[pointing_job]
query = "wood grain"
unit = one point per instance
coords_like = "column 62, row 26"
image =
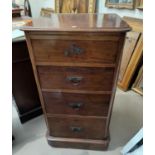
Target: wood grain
column 78, row 143
column 129, row 46
column 36, row 75
column 135, row 59
column 77, row 104
column 98, row 79
column 49, row 50
column 137, row 27
column 78, row 23
column 135, row 23
column 89, row 79
column 61, row 126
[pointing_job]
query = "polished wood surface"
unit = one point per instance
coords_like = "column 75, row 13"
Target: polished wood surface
column 77, row 104
column 77, row 127
column 74, row 78
column 79, row 22
column 99, row 50
column 76, row 70
column 89, row 144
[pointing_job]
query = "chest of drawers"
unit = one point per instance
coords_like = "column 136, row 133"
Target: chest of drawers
column 75, row 60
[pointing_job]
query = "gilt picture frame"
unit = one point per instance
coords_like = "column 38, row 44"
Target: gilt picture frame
column 121, row 4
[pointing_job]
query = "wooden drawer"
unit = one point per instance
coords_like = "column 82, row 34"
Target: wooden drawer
column 77, row 51
column 75, row 58
column 77, row 127
column 76, row 78
column 76, row 104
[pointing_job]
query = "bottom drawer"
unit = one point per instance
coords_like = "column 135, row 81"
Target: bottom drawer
column 77, row 127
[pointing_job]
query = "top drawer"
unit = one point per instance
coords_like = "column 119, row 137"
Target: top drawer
column 75, row 51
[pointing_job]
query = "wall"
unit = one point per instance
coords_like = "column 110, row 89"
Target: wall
column 36, row 6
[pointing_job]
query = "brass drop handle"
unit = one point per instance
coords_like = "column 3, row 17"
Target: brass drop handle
column 74, row 79
column 72, row 50
column 76, row 106
column 76, row 129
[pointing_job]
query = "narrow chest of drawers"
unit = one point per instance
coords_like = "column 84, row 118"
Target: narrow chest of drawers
column 76, row 66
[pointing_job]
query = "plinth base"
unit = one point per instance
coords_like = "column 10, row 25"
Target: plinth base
column 78, row 143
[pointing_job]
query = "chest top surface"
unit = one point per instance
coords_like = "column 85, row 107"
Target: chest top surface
column 78, row 22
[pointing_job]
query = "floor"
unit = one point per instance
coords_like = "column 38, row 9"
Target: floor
column 127, row 119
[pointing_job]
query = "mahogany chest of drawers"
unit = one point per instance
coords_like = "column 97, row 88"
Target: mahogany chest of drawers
column 75, row 59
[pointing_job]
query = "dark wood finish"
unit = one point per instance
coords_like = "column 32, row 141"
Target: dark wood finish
column 23, row 84
column 89, row 78
column 76, row 104
column 48, row 50
column 78, row 143
column 64, row 23
column 77, row 127
column 16, row 12
column 74, row 78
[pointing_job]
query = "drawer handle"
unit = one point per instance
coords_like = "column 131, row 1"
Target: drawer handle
column 73, row 50
column 74, row 79
column 76, row 106
column 76, row 129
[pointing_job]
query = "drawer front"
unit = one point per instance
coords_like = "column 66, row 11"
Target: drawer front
column 77, row 127
column 77, row 51
column 76, row 78
column 76, row 104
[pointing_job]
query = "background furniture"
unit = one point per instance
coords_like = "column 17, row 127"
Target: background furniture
column 138, row 84
column 46, row 12
column 16, row 10
column 23, row 84
column 140, row 6
column 27, row 8
column 132, row 53
column 70, row 6
column 129, row 46
column 75, row 6
column 76, row 69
